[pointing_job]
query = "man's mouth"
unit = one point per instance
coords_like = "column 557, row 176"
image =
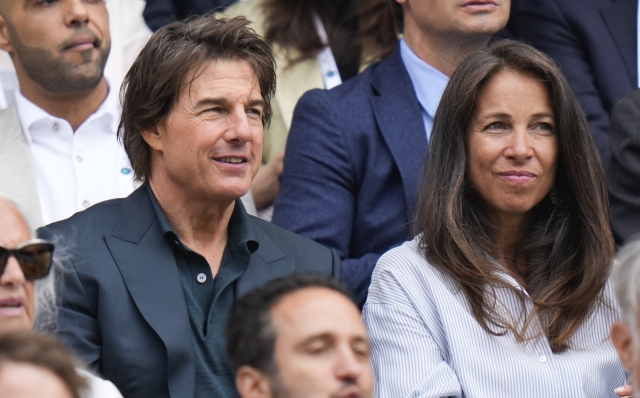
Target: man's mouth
column 480, row 5
column 232, row 160
column 81, row 43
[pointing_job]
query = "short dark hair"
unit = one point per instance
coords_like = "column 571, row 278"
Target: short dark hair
column 153, row 85
column 250, row 335
column 43, row 352
column 567, row 245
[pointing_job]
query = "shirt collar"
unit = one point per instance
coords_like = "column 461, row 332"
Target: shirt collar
column 428, row 82
column 240, row 231
column 30, row 113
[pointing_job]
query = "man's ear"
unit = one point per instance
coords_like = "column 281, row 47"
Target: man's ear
column 153, row 137
column 252, row 383
column 622, row 340
column 5, row 39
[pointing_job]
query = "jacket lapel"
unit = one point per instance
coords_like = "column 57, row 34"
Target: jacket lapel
column 149, row 270
column 267, row 263
column 621, row 18
column 17, row 172
column 399, row 118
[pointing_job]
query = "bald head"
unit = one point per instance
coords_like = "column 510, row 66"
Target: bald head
column 13, row 227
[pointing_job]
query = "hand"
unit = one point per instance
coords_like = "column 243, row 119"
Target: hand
column 624, row 391
column 266, row 185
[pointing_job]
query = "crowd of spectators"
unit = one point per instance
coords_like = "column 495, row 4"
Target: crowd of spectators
column 319, row 198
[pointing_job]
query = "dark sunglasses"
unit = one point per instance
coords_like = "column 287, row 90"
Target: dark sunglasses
column 34, row 257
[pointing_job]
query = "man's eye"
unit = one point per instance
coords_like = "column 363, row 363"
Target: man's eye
column 256, row 112
column 45, row 2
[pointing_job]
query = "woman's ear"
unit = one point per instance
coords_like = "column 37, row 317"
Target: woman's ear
column 252, row 383
column 622, row 339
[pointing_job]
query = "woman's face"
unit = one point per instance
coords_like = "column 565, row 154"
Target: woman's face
column 512, row 145
column 16, row 293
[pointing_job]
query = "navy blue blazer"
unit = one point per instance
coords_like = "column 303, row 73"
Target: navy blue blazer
column 594, row 41
column 122, row 309
column 158, row 13
column 351, row 169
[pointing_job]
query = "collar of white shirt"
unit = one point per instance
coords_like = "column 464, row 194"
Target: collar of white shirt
column 30, row 113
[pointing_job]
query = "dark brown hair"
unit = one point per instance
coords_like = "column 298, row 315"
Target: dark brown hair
column 153, row 85
column 43, row 352
column 564, row 255
column 289, row 23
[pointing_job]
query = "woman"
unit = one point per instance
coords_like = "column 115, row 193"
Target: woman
column 317, row 44
column 27, row 287
column 504, row 293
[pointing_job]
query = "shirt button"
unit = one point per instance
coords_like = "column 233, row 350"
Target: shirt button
column 202, row 278
column 55, row 127
column 79, row 159
column 85, row 204
column 542, row 358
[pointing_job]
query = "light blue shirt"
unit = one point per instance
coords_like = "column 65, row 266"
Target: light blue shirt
column 426, row 342
column 428, row 83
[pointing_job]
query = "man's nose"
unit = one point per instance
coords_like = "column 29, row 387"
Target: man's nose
column 75, row 12
column 350, row 366
column 239, row 129
column 12, row 275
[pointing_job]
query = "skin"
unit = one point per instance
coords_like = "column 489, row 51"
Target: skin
column 622, row 339
column 217, row 116
column 443, row 32
column 512, row 151
column 321, row 350
column 13, row 284
column 20, row 380
column 59, row 49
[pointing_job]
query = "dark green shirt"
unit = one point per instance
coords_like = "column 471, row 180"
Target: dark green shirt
column 209, row 299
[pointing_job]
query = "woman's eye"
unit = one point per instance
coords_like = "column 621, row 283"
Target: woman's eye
column 495, row 126
column 545, row 126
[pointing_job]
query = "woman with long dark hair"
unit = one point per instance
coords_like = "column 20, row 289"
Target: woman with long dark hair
column 504, row 292
column 317, row 44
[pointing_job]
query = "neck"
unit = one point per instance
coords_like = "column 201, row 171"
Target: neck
column 444, row 51
column 200, row 223
column 508, row 234
column 75, row 108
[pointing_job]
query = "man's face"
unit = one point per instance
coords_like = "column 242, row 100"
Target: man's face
column 210, row 146
column 60, row 45
column 456, row 19
column 321, row 348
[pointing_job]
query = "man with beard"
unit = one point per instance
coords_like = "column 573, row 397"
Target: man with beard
column 58, row 148
column 299, row 336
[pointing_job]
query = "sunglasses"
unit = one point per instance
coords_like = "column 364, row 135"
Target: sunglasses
column 34, row 257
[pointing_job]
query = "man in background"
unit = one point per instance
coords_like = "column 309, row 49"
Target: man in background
column 58, row 147
column 300, row 336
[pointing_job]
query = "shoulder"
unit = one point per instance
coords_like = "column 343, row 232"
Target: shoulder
column 97, row 220
column 270, row 234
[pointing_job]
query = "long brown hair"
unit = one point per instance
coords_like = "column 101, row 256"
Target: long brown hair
column 567, row 247
column 289, row 23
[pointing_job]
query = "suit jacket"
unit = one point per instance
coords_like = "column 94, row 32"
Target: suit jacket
column 122, row 308
column 158, row 13
column 594, row 41
column 17, row 173
column 352, row 166
column 623, row 173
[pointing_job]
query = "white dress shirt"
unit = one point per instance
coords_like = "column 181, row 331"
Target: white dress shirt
column 426, row 342
column 75, row 170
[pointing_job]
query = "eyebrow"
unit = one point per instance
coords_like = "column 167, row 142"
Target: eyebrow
column 225, row 102
column 325, row 337
column 541, row 115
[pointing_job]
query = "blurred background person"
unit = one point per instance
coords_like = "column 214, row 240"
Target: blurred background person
column 158, row 13
column 504, row 293
column 27, row 287
column 59, row 151
column 317, row 44
column 299, row 336
column 355, row 152
column 595, row 42
column 625, row 334
column 33, row 366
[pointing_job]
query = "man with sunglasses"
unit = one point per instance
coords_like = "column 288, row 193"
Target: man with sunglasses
column 22, row 262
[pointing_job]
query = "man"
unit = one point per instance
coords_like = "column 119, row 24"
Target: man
column 58, row 147
column 354, row 153
column 299, row 336
column 595, row 44
column 625, row 334
column 153, row 276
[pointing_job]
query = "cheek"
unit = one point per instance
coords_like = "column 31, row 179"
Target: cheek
column 31, row 301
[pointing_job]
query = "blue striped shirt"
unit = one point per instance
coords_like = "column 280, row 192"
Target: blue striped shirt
column 426, row 342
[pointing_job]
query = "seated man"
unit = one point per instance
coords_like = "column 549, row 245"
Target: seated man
column 595, row 44
column 153, row 276
column 625, row 333
column 355, row 153
column 58, row 148
column 300, row 336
